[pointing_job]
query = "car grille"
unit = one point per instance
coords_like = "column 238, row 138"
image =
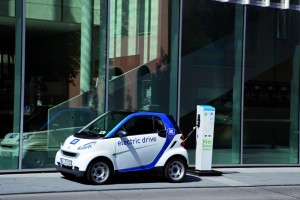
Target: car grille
column 70, row 154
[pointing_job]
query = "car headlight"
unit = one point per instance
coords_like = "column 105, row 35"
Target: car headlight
column 26, row 137
column 87, row 146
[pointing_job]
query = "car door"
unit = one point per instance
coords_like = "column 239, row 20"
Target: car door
column 140, row 148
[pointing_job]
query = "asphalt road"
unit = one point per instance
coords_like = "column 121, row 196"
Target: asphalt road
column 235, row 183
column 226, row 193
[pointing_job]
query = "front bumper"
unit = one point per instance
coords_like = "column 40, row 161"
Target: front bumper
column 68, row 170
column 78, row 166
column 9, row 153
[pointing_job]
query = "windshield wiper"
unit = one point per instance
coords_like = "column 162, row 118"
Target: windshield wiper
column 87, row 134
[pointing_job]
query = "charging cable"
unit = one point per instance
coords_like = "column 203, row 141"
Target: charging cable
column 189, row 134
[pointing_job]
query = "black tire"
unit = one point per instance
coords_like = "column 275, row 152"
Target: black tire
column 99, row 172
column 175, row 170
column 35, row 159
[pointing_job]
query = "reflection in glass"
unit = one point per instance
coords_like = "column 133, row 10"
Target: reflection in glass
column 295, row 2
column 63, row 82
column 260, row 2
column 272, row 82
column 143, row 36
column 283, row 4
column 211, row 73
column 10, row 93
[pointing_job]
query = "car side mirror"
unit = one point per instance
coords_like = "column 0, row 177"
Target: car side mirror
column 162, row 133
column 122, row 133
column 55, row 125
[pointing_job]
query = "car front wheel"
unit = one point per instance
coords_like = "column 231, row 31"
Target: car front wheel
column 35, row 159
column 175, row 170
column 98, row 172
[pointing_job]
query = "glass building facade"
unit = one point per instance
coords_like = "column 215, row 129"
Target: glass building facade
column 64, row 62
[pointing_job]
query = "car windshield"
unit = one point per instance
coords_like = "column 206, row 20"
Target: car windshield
column 103, row 125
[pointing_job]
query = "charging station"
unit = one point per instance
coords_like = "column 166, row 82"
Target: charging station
column 205, row 121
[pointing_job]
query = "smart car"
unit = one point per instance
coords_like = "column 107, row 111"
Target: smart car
column 125, row 141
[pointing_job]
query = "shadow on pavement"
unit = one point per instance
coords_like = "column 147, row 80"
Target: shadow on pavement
column 134, row 178
column 231, row 172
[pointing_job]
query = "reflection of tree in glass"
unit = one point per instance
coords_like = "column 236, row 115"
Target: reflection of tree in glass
column 58, row 57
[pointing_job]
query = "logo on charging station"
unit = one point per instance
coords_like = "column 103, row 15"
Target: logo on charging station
column 207, row 144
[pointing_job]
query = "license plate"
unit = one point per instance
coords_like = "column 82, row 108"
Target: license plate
column 66, row 162
column 6, row 154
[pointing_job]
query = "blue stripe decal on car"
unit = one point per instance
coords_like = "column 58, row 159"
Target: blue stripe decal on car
column 169, row 139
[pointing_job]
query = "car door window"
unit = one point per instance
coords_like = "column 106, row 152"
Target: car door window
column 158, row 124
column 139, row 125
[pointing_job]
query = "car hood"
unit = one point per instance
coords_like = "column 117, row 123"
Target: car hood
column 73, row 143
column 14, row 138
column 11, row 138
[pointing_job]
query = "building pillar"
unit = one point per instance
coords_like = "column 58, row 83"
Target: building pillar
column 86, row 45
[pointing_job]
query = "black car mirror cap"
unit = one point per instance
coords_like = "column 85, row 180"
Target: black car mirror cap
column 122, row 133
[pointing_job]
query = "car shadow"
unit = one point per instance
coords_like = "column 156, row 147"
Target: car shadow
column 130, row 179
column 134, row 179
column 231, row 172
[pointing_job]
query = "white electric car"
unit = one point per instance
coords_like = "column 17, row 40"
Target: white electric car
column 125, row 141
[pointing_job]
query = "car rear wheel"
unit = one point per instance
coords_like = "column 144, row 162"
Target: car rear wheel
column 98, row 172
column 175, row 170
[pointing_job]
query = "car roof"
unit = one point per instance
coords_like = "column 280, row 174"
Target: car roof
column 136, row 112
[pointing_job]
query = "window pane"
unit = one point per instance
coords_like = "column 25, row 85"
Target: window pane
column 295, row 2
column 141, row 74
column 139, row 125
column 271, row 86
column 64, row 74
column 158, row 124
column 10, row 87
column 211, row 73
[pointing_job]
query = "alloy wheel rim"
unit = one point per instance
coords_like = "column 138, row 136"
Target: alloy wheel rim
column 176, row 170
column 100, row 172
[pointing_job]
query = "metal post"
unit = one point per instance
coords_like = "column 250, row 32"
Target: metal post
column 18, row 113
